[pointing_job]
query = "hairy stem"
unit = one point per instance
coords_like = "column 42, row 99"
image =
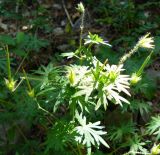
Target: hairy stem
column 81, row 30
column 8, row 64
column 129, row 54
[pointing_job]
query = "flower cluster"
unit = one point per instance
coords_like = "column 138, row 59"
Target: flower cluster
column 113, row 83
column 105, row 79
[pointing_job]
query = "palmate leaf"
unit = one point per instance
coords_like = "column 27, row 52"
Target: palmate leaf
column 59, row 136
column 154, row 127
column 136, row 146
column 36, row 43
column 7, row 40
column 48, row 75
column 138, row 106
column 118, row 133
column 89, row 134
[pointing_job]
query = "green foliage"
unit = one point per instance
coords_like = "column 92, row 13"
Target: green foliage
column 23, row 43
column 59, row 137
column 136, row 145
column 154, row 127
column 147, row 86
column 118, row 133
column 7, row 40
column 51, row 109
column 138, row 106
column 155, row 149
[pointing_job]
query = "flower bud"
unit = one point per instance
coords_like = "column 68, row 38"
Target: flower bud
column 135, row 79
column 112, row 76
column 155, row 149
column 71, row 76
column 31, row 93
column 10, row 84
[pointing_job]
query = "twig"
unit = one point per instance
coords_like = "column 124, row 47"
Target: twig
column 21, row 62
column 130, row 152
column 66, row 11
column 44, row 110
column 21, row 133
column 81, row 30
column 18, row 84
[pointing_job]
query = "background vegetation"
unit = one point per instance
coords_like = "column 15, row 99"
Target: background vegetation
column 36, row 102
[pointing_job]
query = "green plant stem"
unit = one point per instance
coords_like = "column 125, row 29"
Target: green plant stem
column 130, row 152
column 89, row 52
column 21, row 62
column 66, row 11
column 28, row 84
column 44, row 110
column 79, row 150
column 81, row 30
column 115, row 150
column 129, row 54
column 18, row 84
column 32, row 78
column 144, row 64
column 90, row 45
column 8, row 64
column 73, row 149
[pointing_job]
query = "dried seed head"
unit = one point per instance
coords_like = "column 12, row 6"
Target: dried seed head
column 146, row 41
column 80, row 7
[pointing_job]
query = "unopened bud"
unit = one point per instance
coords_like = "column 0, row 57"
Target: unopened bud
column 71, row 76
column 10, row 84
column 155, row 149
column 31, row 93
column 135, row 79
